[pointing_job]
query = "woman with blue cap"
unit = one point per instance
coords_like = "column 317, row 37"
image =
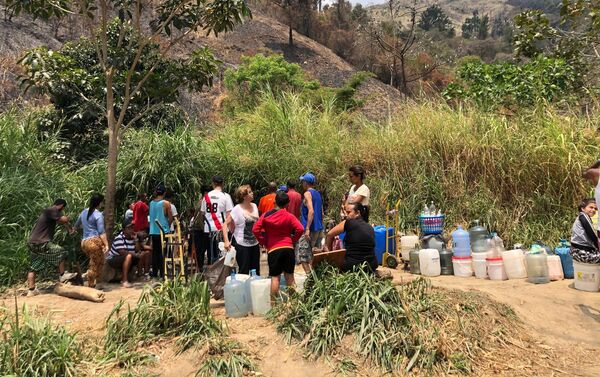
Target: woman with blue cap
column 311, row 219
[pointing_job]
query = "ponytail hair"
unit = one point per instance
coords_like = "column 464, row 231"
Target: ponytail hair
column 362, row 210
column 95, row 201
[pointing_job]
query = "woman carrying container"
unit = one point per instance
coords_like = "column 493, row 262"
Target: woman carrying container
column 359, row 192
column 278, row 230
column 584, row 241
column 359, row 240
column 243, row 217
column 94, row 242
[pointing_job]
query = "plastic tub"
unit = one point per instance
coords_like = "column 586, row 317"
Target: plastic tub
column 462, row 266
column 429, row 262
column 495, row 269
column 431, row 224
column 555, row 271
column 587, row 276
column 480, row 265
column 514, row 264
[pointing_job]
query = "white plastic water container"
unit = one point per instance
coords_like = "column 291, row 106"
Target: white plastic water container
column 514, row 264
column 480, row 265
column 236, row 301
column 555, row 271
column 238, row 277
column 260, row 291
column 495, row 269
column 299, row 279
column 462, row 266
column 407, row 243
column 429, row 262
column 252, row 277
column 587, row 276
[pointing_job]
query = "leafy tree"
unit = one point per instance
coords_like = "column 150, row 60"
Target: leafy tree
column 72, row 77
column 124, row 74
column 575, row 39
column 501, row 26
column 359, row 14
column 476, row 27
column 434, row 18
column 512, row 85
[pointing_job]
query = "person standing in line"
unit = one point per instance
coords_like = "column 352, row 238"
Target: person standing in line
column 243, row 217
column 312, row 220
column 359, row 192
column 267, row 202
column 160, row 211
column 215, row 208
column 141, row 211
column 197, row 229
column 174, row 212
column 295, row 199
column 278, row 230
column 43, row 253
column 94, row 242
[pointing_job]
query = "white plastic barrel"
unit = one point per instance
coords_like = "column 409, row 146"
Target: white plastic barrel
column 495, row 269
column 407, row 243
column 587, row 276
column 260, row 290
column 429, row 262
column 514, row 264
column 480, row 265
column 462, row 266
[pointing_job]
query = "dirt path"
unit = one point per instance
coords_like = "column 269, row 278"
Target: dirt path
column 559, row 317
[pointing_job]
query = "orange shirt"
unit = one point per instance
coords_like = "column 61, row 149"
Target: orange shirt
column 266, row 203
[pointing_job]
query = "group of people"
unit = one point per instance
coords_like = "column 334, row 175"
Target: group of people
column 287, row 224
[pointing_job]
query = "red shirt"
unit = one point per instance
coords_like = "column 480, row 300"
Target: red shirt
column 278, row 230
column 266, row 203
column 140, row 216
column 295, row 202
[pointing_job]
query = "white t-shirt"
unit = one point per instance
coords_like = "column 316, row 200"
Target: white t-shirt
column 174, row 213
column 244, row 222
column 221, row 203
column 362, row 190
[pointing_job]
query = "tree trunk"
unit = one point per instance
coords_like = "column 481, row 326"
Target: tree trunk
column 113, row 152
column 291, row 36
column 403, row 84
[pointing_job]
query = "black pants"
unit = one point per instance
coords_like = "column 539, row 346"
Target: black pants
column 248, row 258
column 210, row 246
column 197, row 236
column 157, row 257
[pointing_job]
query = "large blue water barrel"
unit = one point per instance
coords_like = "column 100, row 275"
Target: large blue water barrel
column 380, row 234
column 565, row 258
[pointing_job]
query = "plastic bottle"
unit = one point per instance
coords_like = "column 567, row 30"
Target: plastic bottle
column 432, row 209
column 478, row 236
column 498, row 245
column 425, row 210
column 236, row 301
column 461, row 243
column 414, row 260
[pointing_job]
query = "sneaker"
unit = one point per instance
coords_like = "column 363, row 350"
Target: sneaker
column 67, row 276
column 126, row 284
column 32, row 292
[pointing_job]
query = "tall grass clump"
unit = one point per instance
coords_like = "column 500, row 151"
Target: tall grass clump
column 33, row 346
column 226, row 358
column 170, row 310
column 409, row 328
column 520, row 175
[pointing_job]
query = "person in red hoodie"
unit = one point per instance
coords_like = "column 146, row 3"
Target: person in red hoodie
column 277, row 230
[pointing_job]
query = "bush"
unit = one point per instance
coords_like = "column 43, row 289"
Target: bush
column 34, row 347
column 511, row 85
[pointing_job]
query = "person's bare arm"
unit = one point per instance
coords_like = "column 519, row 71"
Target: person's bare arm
column 311, row 213
column 592, row 173
column 225, row 228
column 335, row 231
column 168, row 212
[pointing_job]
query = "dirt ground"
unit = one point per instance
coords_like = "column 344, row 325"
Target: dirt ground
column 560, row 318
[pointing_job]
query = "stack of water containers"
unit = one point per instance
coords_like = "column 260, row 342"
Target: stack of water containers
column 495, row 264
column 461, row 247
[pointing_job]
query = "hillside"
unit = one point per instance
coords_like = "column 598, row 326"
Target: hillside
column 459, row 10
column 261, row 34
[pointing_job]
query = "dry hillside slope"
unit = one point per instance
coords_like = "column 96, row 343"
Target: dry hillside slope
column 261, row 34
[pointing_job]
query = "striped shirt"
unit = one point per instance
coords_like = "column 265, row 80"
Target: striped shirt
column 121, row 243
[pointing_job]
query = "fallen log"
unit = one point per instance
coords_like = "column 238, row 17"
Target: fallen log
column 79, row 292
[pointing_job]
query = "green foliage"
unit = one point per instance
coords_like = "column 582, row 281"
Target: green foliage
column 476, row 27
column 32, row 346
column 170, row 310
column 512, row 85
column 435, row 18
column 226, row 358
column 73, row 78
column 405, row 328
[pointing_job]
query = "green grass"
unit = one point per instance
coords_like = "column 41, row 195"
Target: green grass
column 226, row 358
column 167, row 311
column 33, row 346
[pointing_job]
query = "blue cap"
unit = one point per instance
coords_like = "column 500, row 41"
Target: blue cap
column 283, row 188
column 308, row 178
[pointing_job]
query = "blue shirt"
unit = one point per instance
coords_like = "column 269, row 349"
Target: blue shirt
column 157, row 212
column 92, row 226
column 317, row 202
